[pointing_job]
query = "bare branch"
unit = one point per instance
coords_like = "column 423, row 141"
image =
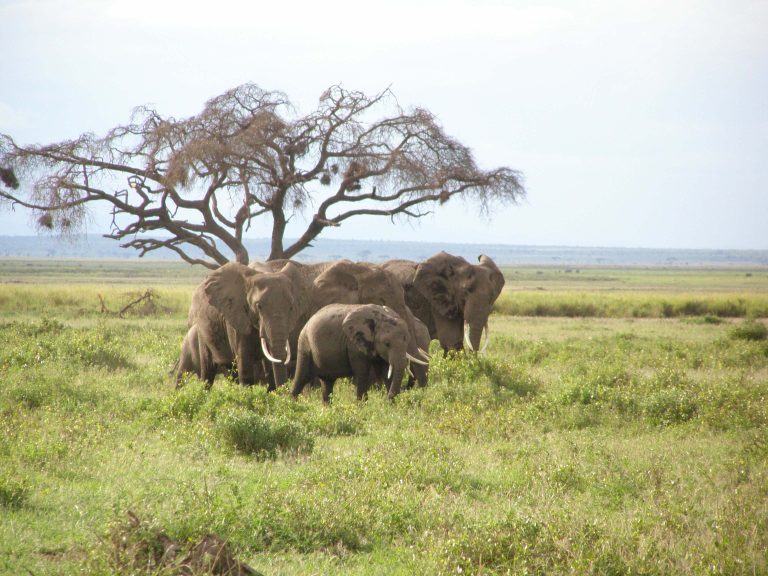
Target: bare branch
column 247, row 162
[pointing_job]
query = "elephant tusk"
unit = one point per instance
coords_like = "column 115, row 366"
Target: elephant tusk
column 411, row 371
column 466, row 337
column 287, row 352
column 424, row 353
column 389, row 374
column 269, row 356
column 487, row 338
column 416, row 360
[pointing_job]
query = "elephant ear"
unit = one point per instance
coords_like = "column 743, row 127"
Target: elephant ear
column 227, row 291
column 497, row 278
column 338, row 284
column 359, row 327
column 438, row 279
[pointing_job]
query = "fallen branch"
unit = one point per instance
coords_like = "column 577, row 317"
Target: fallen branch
column 146, row 297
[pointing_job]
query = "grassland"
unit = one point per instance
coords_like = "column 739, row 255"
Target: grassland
column 612, row 428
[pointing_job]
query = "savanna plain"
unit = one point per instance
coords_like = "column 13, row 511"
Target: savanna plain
column 617, row 424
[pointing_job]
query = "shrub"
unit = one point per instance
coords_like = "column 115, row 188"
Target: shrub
column 670, row 406
column 335, row 420
column 263, row 436
column 462, row 368
column 749, row 330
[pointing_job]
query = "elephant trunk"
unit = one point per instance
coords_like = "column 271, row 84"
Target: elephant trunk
column 476, row 313
column 276, row 349
column 473, row 335
column 397, row 363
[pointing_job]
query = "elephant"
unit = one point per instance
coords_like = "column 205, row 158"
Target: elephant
column 256, row 312
column 355, row 340
column 244, row 314
column 189, row 358
column 347, row 282
column 451, row 296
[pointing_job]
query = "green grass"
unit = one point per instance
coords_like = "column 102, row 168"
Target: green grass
column 583, row 445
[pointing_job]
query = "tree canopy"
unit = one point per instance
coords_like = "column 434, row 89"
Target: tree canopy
column 248, row 160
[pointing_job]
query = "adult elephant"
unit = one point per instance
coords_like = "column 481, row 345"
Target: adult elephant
column 347, row 282
column 451, row 296
column 245, row 314
column 354, row 340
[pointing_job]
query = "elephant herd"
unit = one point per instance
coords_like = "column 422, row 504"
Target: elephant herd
column 325, row 321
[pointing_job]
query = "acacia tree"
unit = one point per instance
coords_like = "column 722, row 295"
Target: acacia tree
column 248, row 159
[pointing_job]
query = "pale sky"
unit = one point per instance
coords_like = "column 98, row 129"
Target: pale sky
column 636, row 123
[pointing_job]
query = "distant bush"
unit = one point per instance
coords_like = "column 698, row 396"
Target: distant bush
column 749, row 330
column 573, row 304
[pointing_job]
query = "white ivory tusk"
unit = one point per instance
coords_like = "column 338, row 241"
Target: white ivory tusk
column 269, row 356
column 416, row 360
column 487, row 338
column 466, row 337
column 389, row 374
column 424, row 353
column 411, row 371
column 287, row 352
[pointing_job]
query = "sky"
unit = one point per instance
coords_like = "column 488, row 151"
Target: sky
column 635, row 123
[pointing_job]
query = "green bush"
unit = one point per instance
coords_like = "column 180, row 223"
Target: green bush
column 749, row 330
column 263, row 436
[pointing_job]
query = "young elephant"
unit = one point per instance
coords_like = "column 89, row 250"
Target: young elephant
column 189, row 358
column 343, row 340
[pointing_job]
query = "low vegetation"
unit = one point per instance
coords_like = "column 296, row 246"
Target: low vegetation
column 611, row 444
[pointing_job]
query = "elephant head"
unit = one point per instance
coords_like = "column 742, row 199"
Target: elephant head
column 461, row 295
column 271, row 303
column 347, row 282
column 379, row 332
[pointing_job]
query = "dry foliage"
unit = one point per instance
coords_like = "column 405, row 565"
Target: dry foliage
column 137, row 546
column 247, row 159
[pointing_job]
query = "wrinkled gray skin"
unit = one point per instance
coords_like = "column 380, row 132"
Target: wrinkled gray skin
column 227, row 313
column 347, row 282
column 238, row 305
column 343, row 340
column 189, row 358
column 446, row 292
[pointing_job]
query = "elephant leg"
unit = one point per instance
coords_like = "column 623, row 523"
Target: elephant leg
column 246, row 360
column 361, row 370
column 327, row 384
column 419, row 375
column 262, row 372
column 207, row 368
column 304, row 372
column 246, row 370
column 280, row 375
